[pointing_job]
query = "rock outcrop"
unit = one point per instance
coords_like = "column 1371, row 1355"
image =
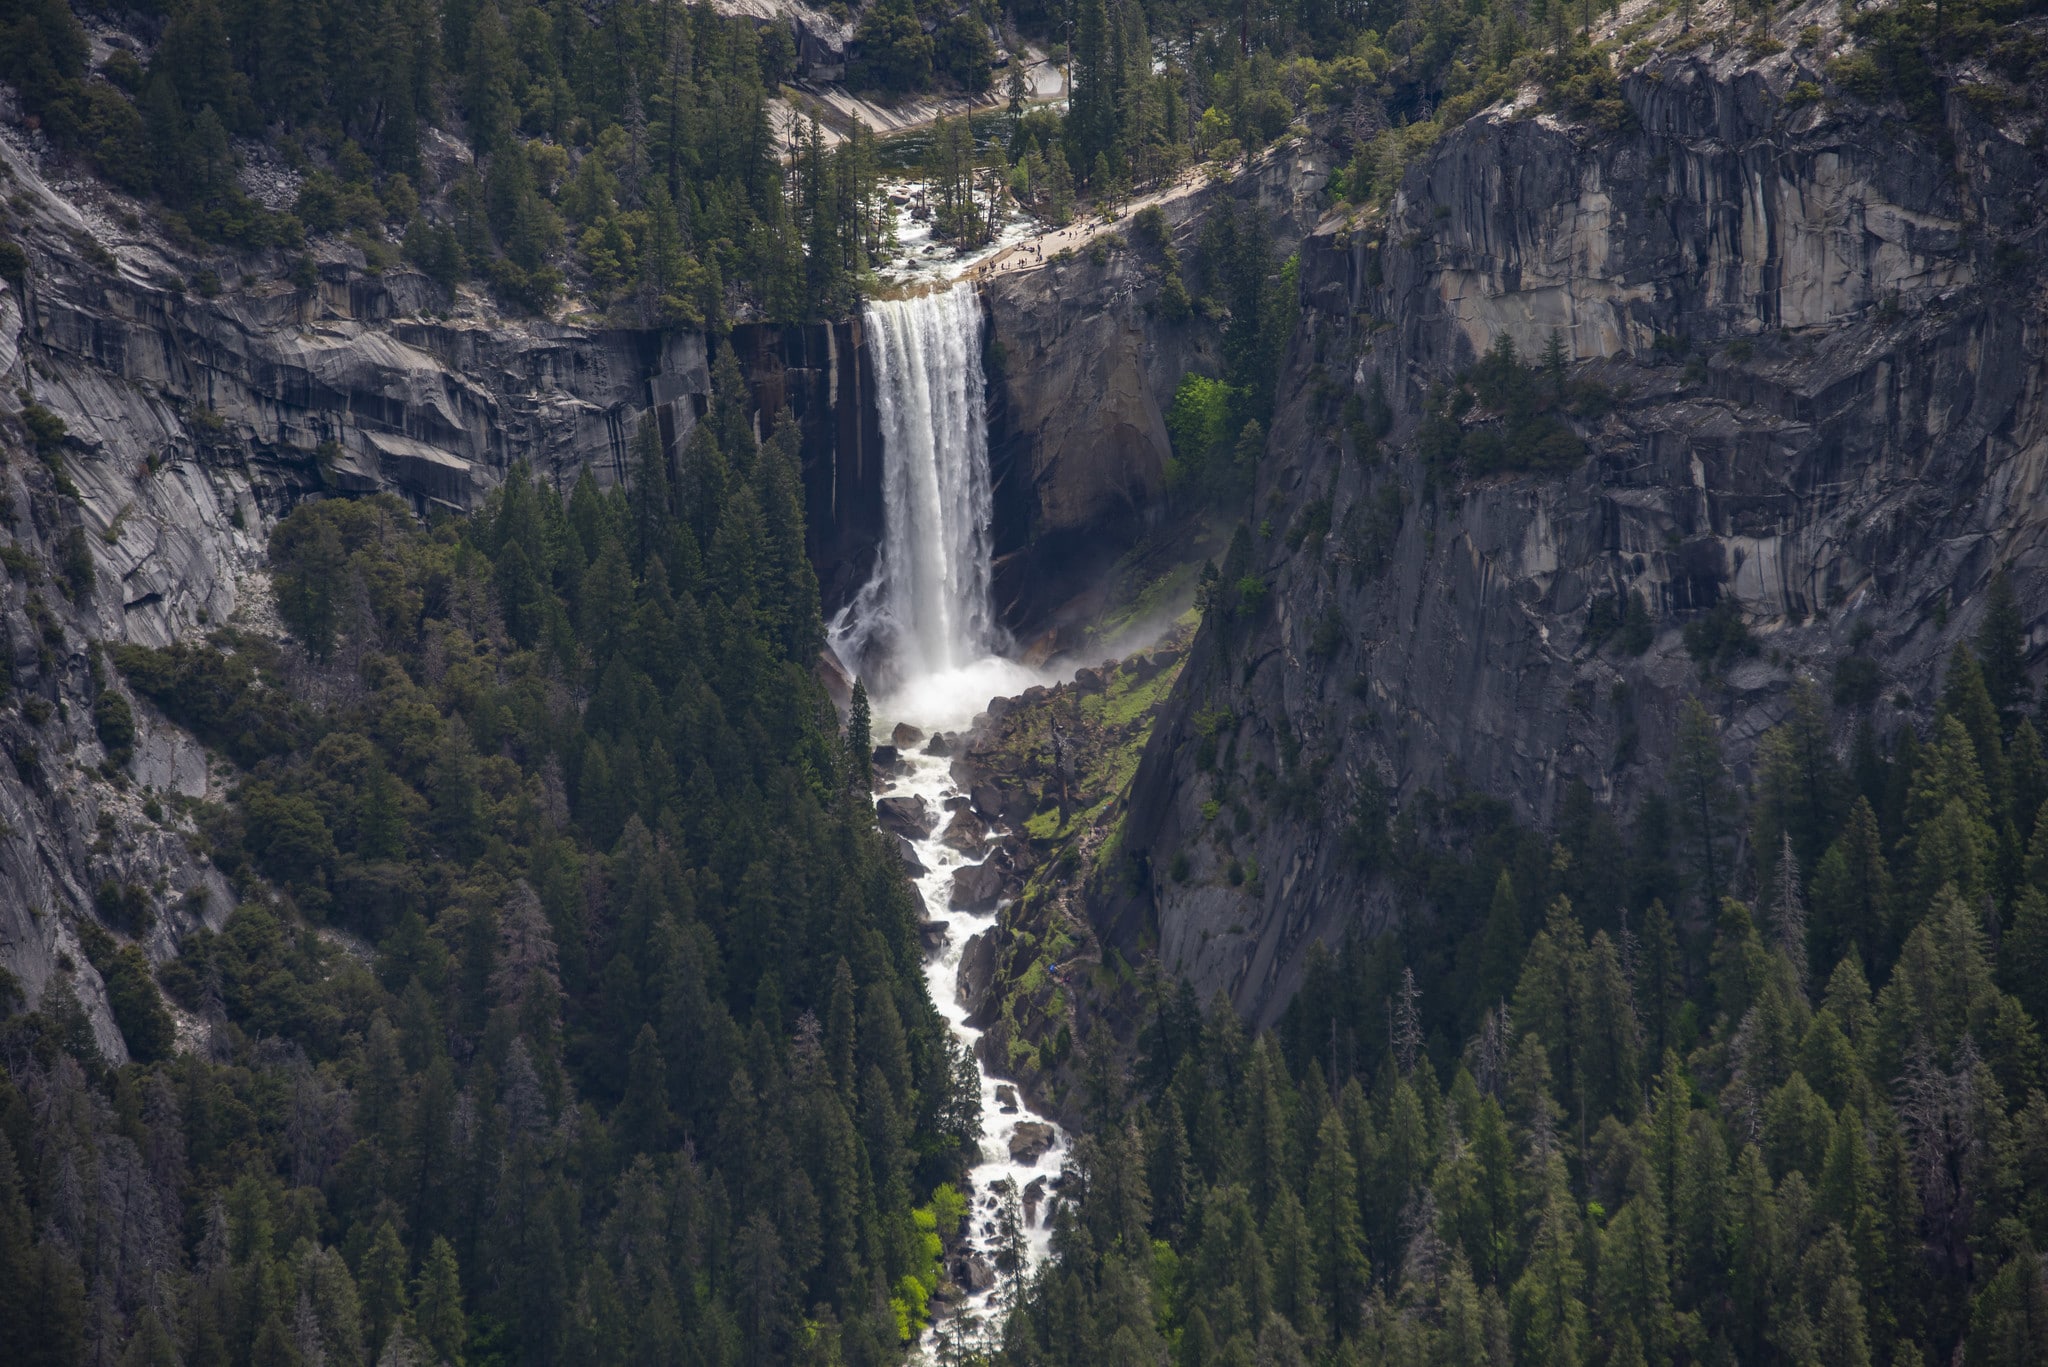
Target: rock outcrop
column 182, row 400
column 1824, row 343
column 1081, row 373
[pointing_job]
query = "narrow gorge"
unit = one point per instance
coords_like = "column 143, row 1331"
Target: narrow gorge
column 1152, row 683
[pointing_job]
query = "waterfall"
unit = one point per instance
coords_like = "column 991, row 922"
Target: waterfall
column 925, row 611
column 922, row 633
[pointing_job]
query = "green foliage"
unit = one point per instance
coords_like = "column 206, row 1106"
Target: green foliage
column 896, row 52
column 224, row 692
column 572, row 795
column 1719, row 637
column 1503, row 415
column 114, row 720
column 1675, row 1147
column 1199, row 425
column 1623, row 619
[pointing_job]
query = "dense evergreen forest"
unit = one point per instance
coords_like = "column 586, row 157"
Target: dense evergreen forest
column 624, row 157
column 572, row 1007
column 1668, row 1092
column 577, row 1034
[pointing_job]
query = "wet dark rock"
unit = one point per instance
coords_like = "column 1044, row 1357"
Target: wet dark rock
column 965, row 833
column 977, row 968
column 911, row 817
column 905, row 736
column 940, row 746
column 974, row 1272
column 1006, row 1098
column 1034, row 1192
column 1030, row 1141
column 933, row 934
column 977, row 887
column 907, row 853
column 988, row 800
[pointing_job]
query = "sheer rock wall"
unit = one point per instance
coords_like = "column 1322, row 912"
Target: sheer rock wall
column 1826, row 339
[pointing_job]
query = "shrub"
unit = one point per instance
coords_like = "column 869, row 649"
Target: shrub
column 114, row 719
column 1720, row 637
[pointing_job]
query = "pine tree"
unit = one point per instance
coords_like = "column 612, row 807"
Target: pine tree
column 2001, row 646
column 1332, row 1211
column 1660, row 981
column 381, row 1281
column 1297, row 1289
column 1556, row 364
column 859, row 743
column 2023, row 954
column 1551, row 999
column 1965, row 697
column 1698, row 780
column 1549, row 1318
column 2009, row 1322
column 1611, row 1044
column 487, row 97
column 437, row 1305
column 1852, row 894
column 1788, row 911
column 1634, row 1285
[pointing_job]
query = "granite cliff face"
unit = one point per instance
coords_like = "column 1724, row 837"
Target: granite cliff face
column 174, row 424
column 1082, row 370
column 1823, row 332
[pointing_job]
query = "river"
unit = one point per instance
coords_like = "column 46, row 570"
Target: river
column 923, row 636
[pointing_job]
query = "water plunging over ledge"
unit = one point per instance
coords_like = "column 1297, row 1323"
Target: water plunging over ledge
column 923, row 636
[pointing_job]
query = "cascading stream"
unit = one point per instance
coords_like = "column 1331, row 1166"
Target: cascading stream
column 923, row 635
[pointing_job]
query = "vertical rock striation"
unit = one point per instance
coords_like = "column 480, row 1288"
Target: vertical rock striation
column 1820, row 328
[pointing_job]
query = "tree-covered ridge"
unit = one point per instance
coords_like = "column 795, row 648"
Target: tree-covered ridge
column 630, row 146
column 1654, row 1095
column 626, row 153
column 574, row 1010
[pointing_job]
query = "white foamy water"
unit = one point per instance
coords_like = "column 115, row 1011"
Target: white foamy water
column 931, row 779
column 923, row 635
column 926, row 610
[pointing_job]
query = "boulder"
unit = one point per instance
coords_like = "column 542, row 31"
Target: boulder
column 910, row 817
column 977, row 970
column 1088, row 680
column 1030, row 1142
column 1006, row 1098
column 965, row 833
column 905, row 735
column 988, row 800
column 941, row 746
column 977, row 887
column 1034, row 1192
column 974, row 1272
column 907, row 852
column 933, row 933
